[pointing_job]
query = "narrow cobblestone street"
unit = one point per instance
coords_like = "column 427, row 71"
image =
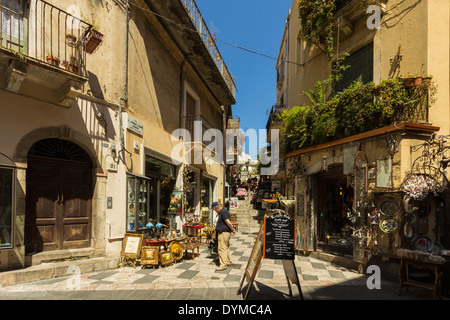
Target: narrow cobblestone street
column 196, row 279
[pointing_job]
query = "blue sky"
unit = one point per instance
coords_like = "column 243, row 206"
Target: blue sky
column 258, row 26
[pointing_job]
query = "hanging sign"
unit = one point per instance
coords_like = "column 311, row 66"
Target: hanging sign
column 279, row 237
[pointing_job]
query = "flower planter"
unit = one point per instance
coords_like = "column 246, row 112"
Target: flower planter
column 52, row 60
column 412, row 81
column 93, row 40
column 426, row 81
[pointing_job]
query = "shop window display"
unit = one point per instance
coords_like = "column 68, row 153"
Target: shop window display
column 138, row 196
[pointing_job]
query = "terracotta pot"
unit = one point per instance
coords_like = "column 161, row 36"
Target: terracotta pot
column 72, row 68
column 412, row 81
column 418, row 81
column 426, row 80
column 52, row 60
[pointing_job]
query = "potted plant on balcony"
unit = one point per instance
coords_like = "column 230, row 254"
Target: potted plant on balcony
column 412, row 81
column 52, row 59
column 72, row 65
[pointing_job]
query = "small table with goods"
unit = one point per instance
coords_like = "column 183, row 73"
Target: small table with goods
column 192, row 234
column 418, row 260
column 162, row 251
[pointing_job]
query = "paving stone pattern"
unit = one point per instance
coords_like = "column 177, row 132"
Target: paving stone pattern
column 197, row 273
column 197, row 279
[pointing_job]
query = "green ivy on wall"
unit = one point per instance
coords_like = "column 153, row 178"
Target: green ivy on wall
column 359, row 108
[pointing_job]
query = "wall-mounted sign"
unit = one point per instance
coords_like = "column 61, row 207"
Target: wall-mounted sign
column 135, row 125
column 279, row 237
column 349, row 158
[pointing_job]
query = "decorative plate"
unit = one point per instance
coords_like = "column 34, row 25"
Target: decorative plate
column 177, row 251
column 390, row 207
column 131, row 207
column 131, row 195
column 423, row 243
column 389, row 225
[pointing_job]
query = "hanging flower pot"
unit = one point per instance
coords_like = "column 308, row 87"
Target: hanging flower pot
column 93, row 40
column 71, row 40
column 417, row 187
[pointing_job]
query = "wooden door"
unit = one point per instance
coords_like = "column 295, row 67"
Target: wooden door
column 59, row 204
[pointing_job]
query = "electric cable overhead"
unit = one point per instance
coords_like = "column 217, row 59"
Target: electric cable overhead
column 215, row 39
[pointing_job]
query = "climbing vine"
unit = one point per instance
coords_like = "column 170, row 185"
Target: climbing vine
column 359, row 108
column 317, row 19
column 317, row 23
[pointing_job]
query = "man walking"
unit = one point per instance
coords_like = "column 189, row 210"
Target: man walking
column 224, row 228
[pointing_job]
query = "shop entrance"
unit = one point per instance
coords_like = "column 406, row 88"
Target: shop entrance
column 58, row 197
column 162, row 176
column 335, row 198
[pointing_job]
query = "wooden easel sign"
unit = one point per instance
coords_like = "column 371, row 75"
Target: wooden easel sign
column 253, row 263
column 278, row 235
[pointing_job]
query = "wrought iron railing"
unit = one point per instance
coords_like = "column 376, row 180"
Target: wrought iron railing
column 39, row 30
column 208, row 40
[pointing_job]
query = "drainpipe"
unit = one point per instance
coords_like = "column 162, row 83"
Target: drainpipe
column 125, row 91
column 124, row 98
column 181, row 92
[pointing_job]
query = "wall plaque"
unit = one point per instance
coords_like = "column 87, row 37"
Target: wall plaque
column 135, row 125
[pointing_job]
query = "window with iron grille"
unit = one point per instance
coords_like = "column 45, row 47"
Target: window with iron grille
column 361, row 68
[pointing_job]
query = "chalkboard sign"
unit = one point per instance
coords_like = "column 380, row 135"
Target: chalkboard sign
column 274, row 223
column 279, row 237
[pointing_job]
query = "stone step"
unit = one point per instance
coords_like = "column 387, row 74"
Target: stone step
column 51, row 270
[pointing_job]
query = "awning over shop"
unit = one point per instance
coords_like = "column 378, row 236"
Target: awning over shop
column 398, row 127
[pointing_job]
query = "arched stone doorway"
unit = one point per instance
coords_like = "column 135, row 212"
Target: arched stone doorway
column 58, row 196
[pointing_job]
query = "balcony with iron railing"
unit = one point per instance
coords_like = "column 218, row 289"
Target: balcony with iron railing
column 197, row 43
column 208, row 40
column 44, row 45
column 274, row 116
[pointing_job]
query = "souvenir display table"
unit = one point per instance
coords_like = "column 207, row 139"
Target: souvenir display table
column 163, row 242
column 192, row 233
column 162, row 251
column 435, row 267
